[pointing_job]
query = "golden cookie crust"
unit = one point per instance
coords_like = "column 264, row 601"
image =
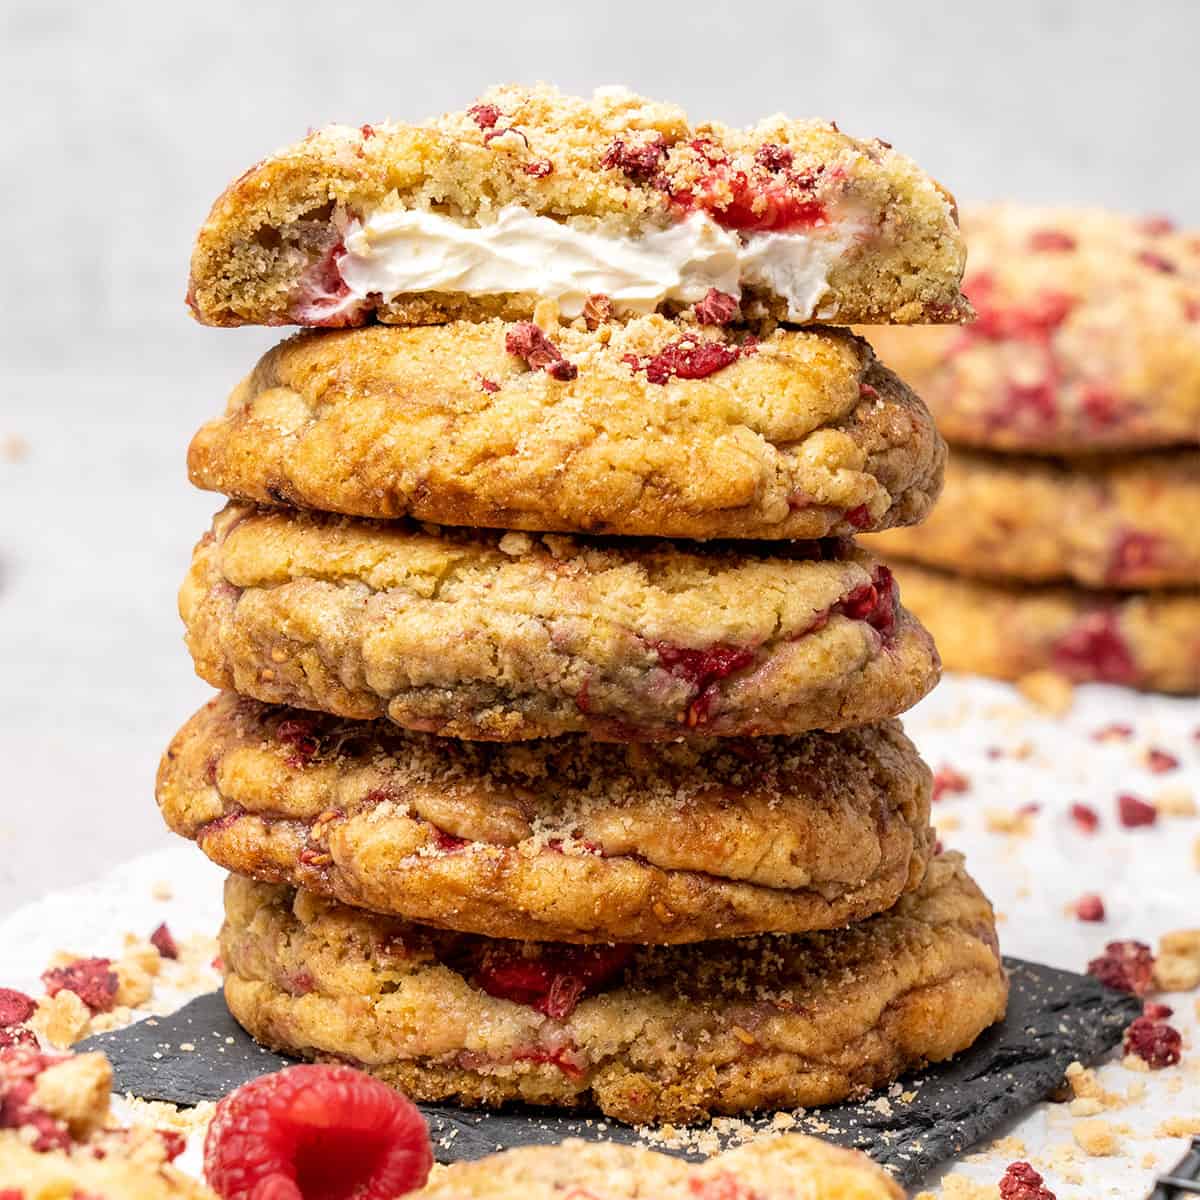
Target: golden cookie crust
column 508, row 637
column 788, row 1167
column 266, row 253
column 1131, row 521
column 1088, row 336
column 1145, row 640
column 559, row 840
column 808, row 436
column 668, row 1033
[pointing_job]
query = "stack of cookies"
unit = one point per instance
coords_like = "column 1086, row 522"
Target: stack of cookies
column 556, row 756
column 1068, row 536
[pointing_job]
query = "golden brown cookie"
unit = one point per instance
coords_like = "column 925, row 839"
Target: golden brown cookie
column 1131, row 521
column 507, row 637
column 558, row 840
column 646, row 1033
column 530, row 194
column 788, row 1167
column 1088, row 335
column 1146, row 640
column 800, row 435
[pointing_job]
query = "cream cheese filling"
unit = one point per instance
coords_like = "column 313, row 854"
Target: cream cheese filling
column 396, row 251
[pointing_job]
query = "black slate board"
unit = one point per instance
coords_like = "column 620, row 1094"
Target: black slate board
column 1054, row 1018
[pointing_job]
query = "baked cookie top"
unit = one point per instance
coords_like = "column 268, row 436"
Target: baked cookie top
column 564, row 839
column 789, row 1167
column 647, row 1033
column 530, row 194
column 510, row 636
column 1116, row 521
column 1087, row 337
column 663, row 428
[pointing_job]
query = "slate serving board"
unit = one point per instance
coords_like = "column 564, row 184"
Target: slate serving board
column 1054, row 1018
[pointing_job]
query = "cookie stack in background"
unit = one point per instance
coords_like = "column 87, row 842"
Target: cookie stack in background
column 556, row 756
column 1068, row 535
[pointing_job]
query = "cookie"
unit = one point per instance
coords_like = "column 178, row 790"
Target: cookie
column 57, row 1140
column 511, row 636
column 646, row 1033
column 558, row 840
column 1088, row 336
column 1146, row 640
column 1131, row 521
column 800, row 435
column 788, row 1167
column 530, row 194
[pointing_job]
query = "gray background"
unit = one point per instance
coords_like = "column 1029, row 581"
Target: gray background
column 123, row 121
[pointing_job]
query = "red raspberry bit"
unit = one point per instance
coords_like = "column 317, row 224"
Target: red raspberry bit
column 15, row 1007
column 1191, row 309
column 1086, row 818
column 859, row 517
column 164, row 942
column 867, row 392
column 717, row 308
column 367, row 131
column 1157, row 225
column 773, row 158
column 17, row 1035
column 554, row 980
column 20, row 1066
column 1133, row 552
column 1155, row 1042
column 92, row 979
column 447, row 843
column 571, row 1063
column 322, row 297
column 539, row 168
column 1159, row 762
column 947, row 781
column 1090, row 907
column 316, row 1133
column 299, row 734
column 1094, row 649
column 1021, row 1182
column 703, row 669
column 1133, row 812
column 526, row 341
column 1100, row 406
column 1157, row 1012
column 1117, row 731
column 641, row 163
column 1051, row 240
column 1126, row 966
column 1157, row 262
column 877, row 602
column 484, row 115
column 488, row 385
column 173, row 1142
column 688, row 359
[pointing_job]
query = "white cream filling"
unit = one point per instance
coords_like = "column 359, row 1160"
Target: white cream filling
column 398, row 251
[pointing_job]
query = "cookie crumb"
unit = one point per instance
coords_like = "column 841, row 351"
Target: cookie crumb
column 1096, row 1138
column 61, row 1019
column 1047, row 690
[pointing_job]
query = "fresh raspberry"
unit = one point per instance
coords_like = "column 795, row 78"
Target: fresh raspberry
column 640, row 163
column 1053, row 240
column 163, row 940
column 484, row 115
column 92, row 979
column 773, row 158
column 1133, row 812
column 1090, row 907
column 316, row 1133
column 1159, row 762
column 1155, row 1042
column 717, row 308
column 1094, row 649
column 1086, row 818
column 1021, row 1182
column 15, row 1007
column 688, row 359
column 554, row 980
column 525, row 340
column 948, row 781
column 1125, row 966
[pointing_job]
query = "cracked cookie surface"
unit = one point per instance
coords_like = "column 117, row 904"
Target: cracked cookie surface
column 647, row 1033
column 1128, row 521
column 557, row 840
column 1087, row 337
column 807, row 436
column 509, row 637
column 1146, row 640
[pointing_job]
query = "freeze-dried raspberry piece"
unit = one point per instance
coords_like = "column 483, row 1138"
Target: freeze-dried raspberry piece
column 1053, row 240
column 15, row 1007
column 1155, row 1042
column 316, row 1133
column 92, row 979
column 1090, row 907
column 948, row 781
column 1159, row 762
column 484, row 115
column 552, row 982
column 1133, row 812
column 773, row 158
column 1156, row 1011
column 1116, row 731
column 717, row 308
column 1094, row 649
column 752, row 203
column 1157, row 262
column 877, row 602
column 299, row 734
column 17, row 1035
column 1126, row 966
column 20, row 1067
column 640, row 163
column 1085, row 817
column 322, row 297
column 163, row 940
column 688, row 359
column 1021, row 1182
column 539, row 168
column 525, row 340
column 1156, row 224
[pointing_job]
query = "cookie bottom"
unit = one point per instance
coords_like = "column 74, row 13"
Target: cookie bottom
column 646, row 1034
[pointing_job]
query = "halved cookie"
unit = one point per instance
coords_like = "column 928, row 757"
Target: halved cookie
column 559, row 840
column 530, row 195
column 800, row 435
column 647, row 1033
column 508, row 637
